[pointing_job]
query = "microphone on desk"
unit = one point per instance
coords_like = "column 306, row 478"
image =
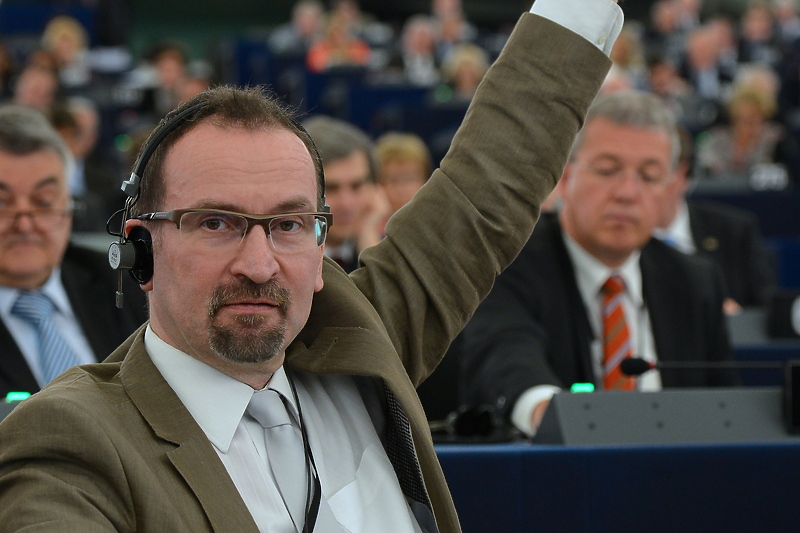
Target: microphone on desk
column 636, row 366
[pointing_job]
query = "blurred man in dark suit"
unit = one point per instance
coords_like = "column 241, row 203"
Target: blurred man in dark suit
column 592, row 287
column 56, row 300
column 728, row 235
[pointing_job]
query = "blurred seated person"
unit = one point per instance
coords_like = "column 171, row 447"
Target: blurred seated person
column 347, row 157
column 749, row 139
column 403, row 164
column 161, row 79
column 338, row 48
column 702, row 64
column 93, row 179
column 592, row 287
column 295, row 38
column 37, row 87
column 452, row 27
column 663, row 34
column 628, row 55
column 56, row 300
column 758, row 40
column 464, row 69
column 68, row 41
column 8, row 70
column 728, row 235
column 414, row 61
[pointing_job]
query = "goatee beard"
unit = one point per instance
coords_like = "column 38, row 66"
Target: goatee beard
column 247, row 341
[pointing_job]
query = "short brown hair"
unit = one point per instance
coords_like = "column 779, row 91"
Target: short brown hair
column 250, row 108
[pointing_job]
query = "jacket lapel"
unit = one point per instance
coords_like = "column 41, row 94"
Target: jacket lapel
column 662, row 296
column 193, row 456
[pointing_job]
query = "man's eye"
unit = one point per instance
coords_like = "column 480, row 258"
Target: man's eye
column 606, row 171
column 216, row 223
column 288, row 225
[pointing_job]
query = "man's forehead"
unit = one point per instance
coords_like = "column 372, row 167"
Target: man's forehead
column 16, row 169
column 215, row 166
column 351, row 169
column 600, row 136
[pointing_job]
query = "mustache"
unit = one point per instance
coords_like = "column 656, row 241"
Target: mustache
column 248, row 289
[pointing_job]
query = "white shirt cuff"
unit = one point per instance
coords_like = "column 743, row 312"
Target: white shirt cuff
column 527, row 402
column 597, row 21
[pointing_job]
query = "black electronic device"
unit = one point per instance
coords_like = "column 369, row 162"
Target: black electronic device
column 675, row 416
column 133, row 251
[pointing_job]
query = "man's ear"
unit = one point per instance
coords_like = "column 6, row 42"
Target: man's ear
column 319, row 283
column 563, row 183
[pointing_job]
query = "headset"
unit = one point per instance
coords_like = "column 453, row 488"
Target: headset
column 134, row 251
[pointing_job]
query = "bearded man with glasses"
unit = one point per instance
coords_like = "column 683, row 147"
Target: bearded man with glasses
column 38, row 265
column 270, row 390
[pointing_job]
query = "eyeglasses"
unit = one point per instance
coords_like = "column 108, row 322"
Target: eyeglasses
column 43, row 217
column 215, row 230
column 649, row 178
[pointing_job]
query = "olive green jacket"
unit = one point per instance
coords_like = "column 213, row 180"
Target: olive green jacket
column 111, row 447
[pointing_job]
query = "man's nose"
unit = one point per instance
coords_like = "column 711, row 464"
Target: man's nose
column 629, row 184
column 255, row 256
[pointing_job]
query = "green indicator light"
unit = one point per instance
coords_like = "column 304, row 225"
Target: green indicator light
column 443, row 93
column 16, row 396
column 582, row 387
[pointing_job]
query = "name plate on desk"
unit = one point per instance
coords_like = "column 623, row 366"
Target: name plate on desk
column 673, row 416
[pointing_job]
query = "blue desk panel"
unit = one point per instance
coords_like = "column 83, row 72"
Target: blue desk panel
column 676, row 489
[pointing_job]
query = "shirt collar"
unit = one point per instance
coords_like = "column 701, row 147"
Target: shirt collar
column 52, row 288
column 215, row 400
column 679, row 232
column 590, row 273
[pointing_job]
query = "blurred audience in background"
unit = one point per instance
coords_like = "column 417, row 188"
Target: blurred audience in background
column 37, row 87
column 727, row 235
column 413, row 59
column 68, row 42
column 295, row 37
column 339, row 47
column 749, row 139
column 464, row 69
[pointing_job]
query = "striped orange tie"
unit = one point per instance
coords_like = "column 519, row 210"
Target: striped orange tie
column 616, row 336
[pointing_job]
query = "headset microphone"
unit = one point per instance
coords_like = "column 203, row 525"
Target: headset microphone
column 134, row 250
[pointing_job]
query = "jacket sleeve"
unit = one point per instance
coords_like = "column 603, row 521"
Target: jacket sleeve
column 443, row 250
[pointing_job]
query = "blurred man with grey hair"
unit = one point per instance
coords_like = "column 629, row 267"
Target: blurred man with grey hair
column 56, row 300
column 350, row 189
column 592, row 287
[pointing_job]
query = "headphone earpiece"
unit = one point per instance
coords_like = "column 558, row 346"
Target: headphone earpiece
column 133, row 253
column 142, row 268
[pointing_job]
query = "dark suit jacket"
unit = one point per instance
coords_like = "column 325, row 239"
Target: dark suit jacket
column 731, row 237
column 150, row 467
column 533, row 328
column 90, row 284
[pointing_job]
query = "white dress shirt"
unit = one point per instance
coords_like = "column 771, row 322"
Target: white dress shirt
column 679, row 232
column 25, row 335
column 590, row 275
column 599, row 22
column 360, row 491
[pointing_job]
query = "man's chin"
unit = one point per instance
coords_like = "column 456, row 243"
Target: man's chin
column 249, row 341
